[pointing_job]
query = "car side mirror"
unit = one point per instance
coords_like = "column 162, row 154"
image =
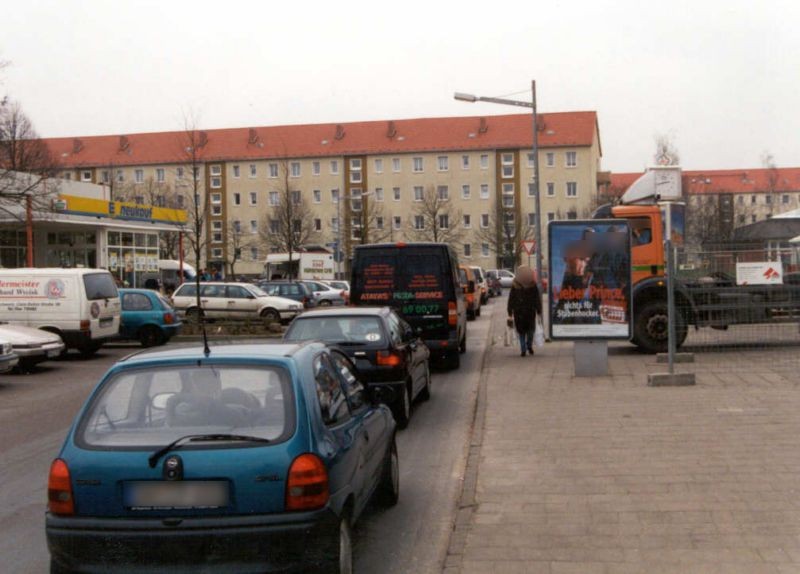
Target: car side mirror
column 159, row 401
column 382, row 394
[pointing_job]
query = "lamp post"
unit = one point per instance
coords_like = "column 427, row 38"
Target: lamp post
column 340, row 197
column 462, row 97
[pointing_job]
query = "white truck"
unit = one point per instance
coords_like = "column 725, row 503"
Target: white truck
column 311, row 266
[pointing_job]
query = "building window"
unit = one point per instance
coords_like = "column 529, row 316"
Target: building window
column 418, row 165
column 467, row 250
column 355, row 227
column 295, row 195
column 335, row 224
column 253, row 198
column 216, row 210
column 181, row 201
column 396, row 164
column 236, row 171
column 572, row 189
column 105, row 177
column 138, row 176
column 317, row 224
column 355, row 176
column 335, row 195
column 216, row 169
column 397, row 222
column 551, row 189
column 378, row 194
column 752, row 199
column 334, row 167
column 785, row 198
column 196, row 173
column 317, row 194
column 768, row 199
column 530, row 157
column 216, row 225
column 444, row 221
column 355, row 164
column 484, row 220
column 467, row 220
column 120, row 176
column 740, row 219
column 86, row 175
column 507, row 160
column 273, row 198
column 379, row 222
column 273, row 170
column 254, row 253
column 237, row 226
column 67, row 175
column 485, row 161
column 253, row 226
column 443, row 192
column 485, row 249
column 274, row 226
column 484, row 191
column 443, row 163
column 572, row 214
column 465, row 191
column 550, row 216
column 531, row 220
column 753, row 219
column 138, row 200
column 572, row 159
column 216, row 182
column 550, row 159
column 216, row 198
column 419, row 193
column 356, row 203
column 531, row 190
column 378, row 166
column 216, row 253
column 740, row 200
column 315, row 168
column 464, row 162
column 295, row 168
column 419, row 222
column 253, row 170
column 508, row 195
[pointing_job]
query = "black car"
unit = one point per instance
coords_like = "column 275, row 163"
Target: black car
column 296, row 290
column 384, row 348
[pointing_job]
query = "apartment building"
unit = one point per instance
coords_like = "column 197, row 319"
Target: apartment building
column 362, row 181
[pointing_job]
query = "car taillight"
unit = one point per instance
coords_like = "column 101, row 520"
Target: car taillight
column 168, row 318
column 85, row 325
column 389, row 359
column 452, row 314
column 59, row 489
column 307, row 483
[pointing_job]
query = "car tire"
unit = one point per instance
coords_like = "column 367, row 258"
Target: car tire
column 56, row 568
column 470, row 315
column 325, row 303
column 388, row 493
column 402, row 407
column 151, row 336
column 453, row 360
column 88, row 350
column 271, row 315
column 478, row 312
column 339, row 560
column 425, row 393
column 194, row 315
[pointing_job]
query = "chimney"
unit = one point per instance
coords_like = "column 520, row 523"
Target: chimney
column 77, row 145
column 252, row 137
column 483, row 127
column 391, row 130
column 202, row 139
column 124, row 143
column 339, row 132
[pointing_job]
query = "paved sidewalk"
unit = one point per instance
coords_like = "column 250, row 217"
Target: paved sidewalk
column 610, row 475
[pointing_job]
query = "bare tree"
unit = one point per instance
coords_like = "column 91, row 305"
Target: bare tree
column 289, row 222
column 372, row 225
column 441, row 221
column 666, row 151
column 504, row 234
column 192, row 142
column 235, row 242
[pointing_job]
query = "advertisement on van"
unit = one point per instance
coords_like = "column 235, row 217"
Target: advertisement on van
column 24, row 295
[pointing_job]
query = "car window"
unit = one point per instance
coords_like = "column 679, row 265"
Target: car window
column 332, row 401
column 136, row 302
column 395, row 330
column 153, row 406
column 366, row 330
column 354, row 390
column 270, row 289
column 212, row 291
column 237, row 292
column 291, row 290
column 257, row 291
column 187, row 290
column 462, row 276
column 99, row 286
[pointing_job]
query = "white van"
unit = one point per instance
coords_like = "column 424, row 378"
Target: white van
column 169, row 270
column 80, row 305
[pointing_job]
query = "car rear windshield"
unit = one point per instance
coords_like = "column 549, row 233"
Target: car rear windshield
column 403, row 274
column 99, row 286
column 366, row 330
column 151, row 407
column 186, row 290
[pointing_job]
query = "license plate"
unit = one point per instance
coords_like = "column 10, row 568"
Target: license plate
column 163, row 495
column 53, row 353
column 106, row 321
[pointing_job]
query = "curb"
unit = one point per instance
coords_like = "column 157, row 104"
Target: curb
column 466, row 500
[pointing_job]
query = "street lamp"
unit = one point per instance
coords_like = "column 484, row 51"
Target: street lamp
column 471, row 98
column 339, row 197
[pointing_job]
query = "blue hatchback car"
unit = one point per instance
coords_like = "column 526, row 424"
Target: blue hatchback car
column 148, row 317
column 247, row 458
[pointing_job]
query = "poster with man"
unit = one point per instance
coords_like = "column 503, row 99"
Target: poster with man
column 590, row 279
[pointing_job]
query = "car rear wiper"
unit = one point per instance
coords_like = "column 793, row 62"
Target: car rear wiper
column 153, row 459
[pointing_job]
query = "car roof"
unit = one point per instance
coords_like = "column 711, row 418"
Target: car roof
column 222, row 350
column 345, row 312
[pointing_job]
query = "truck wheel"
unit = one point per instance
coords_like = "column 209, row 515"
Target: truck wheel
column 651, row 328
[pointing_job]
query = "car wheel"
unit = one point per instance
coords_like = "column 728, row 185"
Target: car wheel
column 340, row 559
column 402, row 407
column 88, row 350
column 470, row 315
column 425, row 393
column 194, row 315
column 389, row 487
column 324, row 303
column 271, row 315
column 453, row 360
column 478, row 312
column 56, row 568
column 151, row 336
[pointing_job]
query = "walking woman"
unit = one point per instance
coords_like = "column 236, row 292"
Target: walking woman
column 524, row 302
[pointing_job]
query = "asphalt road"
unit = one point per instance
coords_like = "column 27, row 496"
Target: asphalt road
column 37, row 409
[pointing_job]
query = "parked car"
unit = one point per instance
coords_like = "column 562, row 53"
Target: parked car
column 79, row 305
column 250, row 458
column 148, row 317
column 420, row 281
column 8, row 358
column 32, row 346
column 493, row 282
column 325, row 295
column 385, row 349
column 233, row 301
column 295, row 290
column 481, row 285
column 344, row 286
column 471, row 292
column 506, row 278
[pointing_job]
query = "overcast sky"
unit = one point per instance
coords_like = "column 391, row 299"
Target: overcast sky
column 720, row 77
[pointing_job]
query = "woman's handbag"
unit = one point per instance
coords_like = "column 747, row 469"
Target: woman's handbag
column 538, row 335
column 509, row 334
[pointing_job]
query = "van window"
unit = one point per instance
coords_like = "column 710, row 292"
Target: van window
column 412, row 273
column 99, row 286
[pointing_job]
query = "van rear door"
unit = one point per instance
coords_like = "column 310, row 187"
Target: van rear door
column 103, row 302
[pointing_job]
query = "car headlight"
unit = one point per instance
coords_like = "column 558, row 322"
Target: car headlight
column 7, row 348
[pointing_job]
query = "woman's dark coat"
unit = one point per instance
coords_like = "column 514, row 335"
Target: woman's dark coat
column 524, row 303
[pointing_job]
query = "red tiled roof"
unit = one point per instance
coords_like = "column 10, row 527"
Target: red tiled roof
column 317, row 140
column 723, row 181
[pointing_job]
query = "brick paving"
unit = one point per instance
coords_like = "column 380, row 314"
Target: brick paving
column 609, row 475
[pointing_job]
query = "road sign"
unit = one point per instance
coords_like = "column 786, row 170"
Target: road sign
column 528, row 246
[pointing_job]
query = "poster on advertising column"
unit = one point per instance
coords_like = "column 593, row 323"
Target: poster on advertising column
column 589, row 291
